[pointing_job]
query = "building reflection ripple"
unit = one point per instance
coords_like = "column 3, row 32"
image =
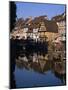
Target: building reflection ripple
column 38, row 62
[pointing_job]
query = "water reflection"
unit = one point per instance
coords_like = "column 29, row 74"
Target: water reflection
column 31, row 67
column 39, row 63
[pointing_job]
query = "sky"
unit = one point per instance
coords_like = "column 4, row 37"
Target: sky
column 25, row 9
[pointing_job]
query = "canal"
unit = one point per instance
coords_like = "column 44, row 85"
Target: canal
column 35, row 70
column 32, row 68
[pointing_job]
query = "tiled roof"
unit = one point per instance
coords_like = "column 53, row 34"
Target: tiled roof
column 50, row 26
column 59, row 17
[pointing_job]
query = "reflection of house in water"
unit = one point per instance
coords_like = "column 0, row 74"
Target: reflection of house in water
column 59, row 67
column 36, row 62
column 59, row 70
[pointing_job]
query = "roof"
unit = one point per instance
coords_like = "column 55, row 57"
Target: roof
column 51, row 26
column 31, row 24
column 60, row 17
